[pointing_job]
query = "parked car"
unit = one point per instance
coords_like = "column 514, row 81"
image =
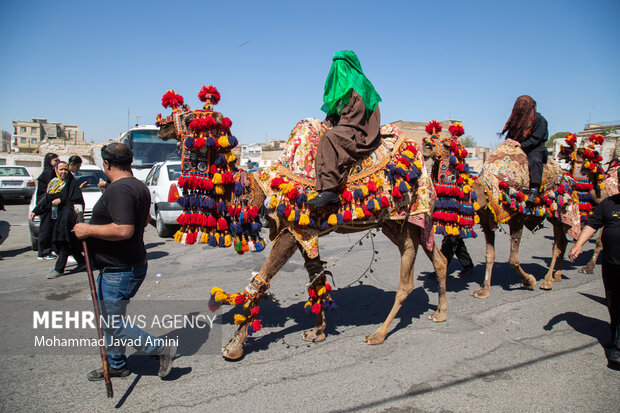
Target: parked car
column 16, row 181
column 91, row 193
column 162, row 181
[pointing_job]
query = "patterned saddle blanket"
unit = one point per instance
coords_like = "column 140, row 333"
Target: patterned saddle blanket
column 505, row 176
column 390, row 183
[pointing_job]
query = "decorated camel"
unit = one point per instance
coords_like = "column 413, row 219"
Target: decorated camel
column 390, row 189
column 591, row 183
column 500, row 191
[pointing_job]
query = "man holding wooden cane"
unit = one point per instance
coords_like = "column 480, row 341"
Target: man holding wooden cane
column 116, row 247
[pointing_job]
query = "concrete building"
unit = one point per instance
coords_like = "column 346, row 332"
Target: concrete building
column 611, row 146
column 28, row 135
column 5, row 143
column 417, row 130
column 251, row 155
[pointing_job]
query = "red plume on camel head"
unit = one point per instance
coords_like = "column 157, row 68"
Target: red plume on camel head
column 226, row 123
column 433, row 127
column 171, row 99
column 209, row 92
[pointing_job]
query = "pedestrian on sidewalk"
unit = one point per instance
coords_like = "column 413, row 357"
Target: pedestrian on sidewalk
column 45, row 222
column 115, row 238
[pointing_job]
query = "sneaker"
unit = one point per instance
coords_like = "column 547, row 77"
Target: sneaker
column 54, row 274
column 97, row 374
column 165, row 360
column 71, row 260
column 47, row 257
column 324, row 198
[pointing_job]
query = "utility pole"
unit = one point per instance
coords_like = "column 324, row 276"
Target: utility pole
column 128, row 127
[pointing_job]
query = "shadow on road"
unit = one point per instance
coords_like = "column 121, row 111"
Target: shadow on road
column 590, row 326
column 14, row 252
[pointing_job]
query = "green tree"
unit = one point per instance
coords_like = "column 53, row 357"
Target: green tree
column 468, row 141
column 552, row 138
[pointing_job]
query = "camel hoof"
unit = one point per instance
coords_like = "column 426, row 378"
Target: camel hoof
column 374, row 339
column 529, row 282
column 480, row 293
column 438, row 316
column 546, row 285
column 233, row 350
column 557, row 276
column 586, row 270
column 312, row 336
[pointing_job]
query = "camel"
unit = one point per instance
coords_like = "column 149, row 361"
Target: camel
column 405, row 235
column 516, row 221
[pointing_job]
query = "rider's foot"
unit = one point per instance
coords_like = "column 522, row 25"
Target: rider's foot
column 531, row 197
column 324, row 198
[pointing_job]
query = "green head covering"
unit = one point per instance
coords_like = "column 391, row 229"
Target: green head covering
column 346, row 74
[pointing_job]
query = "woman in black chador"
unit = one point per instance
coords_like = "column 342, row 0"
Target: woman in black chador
column 63, row 193
column 45, row 223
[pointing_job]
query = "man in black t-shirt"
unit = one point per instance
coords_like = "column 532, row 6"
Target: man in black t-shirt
column 116, row 247
column 607, row 216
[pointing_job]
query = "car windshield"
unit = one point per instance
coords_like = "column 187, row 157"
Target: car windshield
column 148, row 149
column 174, row 172
column 93, row 176
column 13, row 171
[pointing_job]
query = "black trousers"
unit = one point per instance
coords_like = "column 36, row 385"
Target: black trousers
column 451, row 246
column 536, row 162
column 611, row 281
column 46, row 227
column 64, row 250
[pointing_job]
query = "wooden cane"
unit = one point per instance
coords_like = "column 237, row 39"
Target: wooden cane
column 93, row 294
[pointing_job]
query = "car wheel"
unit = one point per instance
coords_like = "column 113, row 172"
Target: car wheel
column 163, row 230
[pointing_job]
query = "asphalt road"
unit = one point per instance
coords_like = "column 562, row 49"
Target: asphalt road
column 516, row 351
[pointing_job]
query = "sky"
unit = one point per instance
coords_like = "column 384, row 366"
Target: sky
column 90, row 63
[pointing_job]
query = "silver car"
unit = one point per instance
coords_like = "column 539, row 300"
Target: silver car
column 16, row 181
column 162, row 181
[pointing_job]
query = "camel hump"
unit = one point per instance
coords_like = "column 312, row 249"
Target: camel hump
column 300, row 151
column 509, row 164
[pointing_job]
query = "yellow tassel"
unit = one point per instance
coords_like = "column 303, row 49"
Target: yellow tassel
column 204, row 238
column 476, row 219
column 601, row 185
column 333, row 220
column 359, row 213
column 364, row 190
column 304, row 219
column 223, row 141
column 500, row 197
column 286, row 188
column 377, row 206
column 418, row 164
column 321, row 291
column 228, row 241
column 601, row 177
column 401, row 165
column 273, row 202
column 177, row 236
column 379, row 181
column 466, row 189
column 312, row 195
column 220, row 296
column 239, row 318
column 217, row 237
column 230, row 157
column 587, row 164
column 476, row 206
column 409, row 154
column 219, row 189
column 217, row 178
column 216, row 290
column 291, row 216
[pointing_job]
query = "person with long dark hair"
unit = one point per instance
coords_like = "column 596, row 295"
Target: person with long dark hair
column 46, row 224
column 63, row 193
column 528, row 128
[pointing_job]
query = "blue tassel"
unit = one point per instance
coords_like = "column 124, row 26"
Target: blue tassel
column 301, row 199
column 462, row 233
column 256, row 226
column 212, row 241
column 466, row 169
column 400, row 171
column 222, row 244
column 280, row 210
column 340, row 219
column 220, row 160
column 297, row 215
column 210, row 142
column 232, row 141
column 312, row 222
column 182, row 201
column 324, row 224
column 258, row 244
column 221, row 207
column 250, row 330
column 403, row 188
column 358, row 194
column 210, row 203
column 308, row 309
column 473, row 195
column 189, row 143
column 238, row 191
column 452, row 159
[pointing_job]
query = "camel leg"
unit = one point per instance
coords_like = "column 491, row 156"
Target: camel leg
column 516, row 233
column 407, row 241
column 315, row 269
column 440, row 263
column 557, row 256
column 489, row 236
column 589, row 267
column 283, row 249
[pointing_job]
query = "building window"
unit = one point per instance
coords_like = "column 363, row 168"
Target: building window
column 33, row 141
column 22, row 129
column 33, row 130
column 23, row 140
